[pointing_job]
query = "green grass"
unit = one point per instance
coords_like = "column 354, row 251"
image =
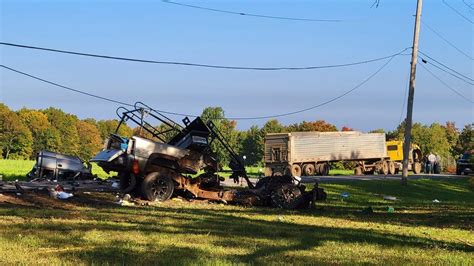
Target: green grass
column 17, row 169
column 178, row 232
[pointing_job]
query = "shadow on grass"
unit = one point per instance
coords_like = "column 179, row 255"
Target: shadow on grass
column 260, row 238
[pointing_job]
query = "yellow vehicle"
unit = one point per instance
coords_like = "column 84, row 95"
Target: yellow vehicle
column 395, row 152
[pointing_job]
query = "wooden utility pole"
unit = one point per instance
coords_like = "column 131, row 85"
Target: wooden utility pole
column 411, row 94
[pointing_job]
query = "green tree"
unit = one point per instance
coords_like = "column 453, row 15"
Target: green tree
column 66, row 126
column 15, row 138
column 107, row 127
column 272, row 126
column 89, row 139
column 252, row 146
column 466, row 139
column 227, row 129
column 319, row 125
column 45, row 136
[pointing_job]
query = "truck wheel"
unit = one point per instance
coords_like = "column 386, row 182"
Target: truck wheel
column 384, row 168
column 308, row 169
column 416, row 168
column 391, row 167
column 157, row 186
column 287, row 196
column 296, row 170
column 358, row 170
column 325, row 169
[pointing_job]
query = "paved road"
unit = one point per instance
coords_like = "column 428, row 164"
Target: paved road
column 330, row 179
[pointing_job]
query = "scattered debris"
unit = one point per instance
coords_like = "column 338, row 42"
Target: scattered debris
column 281, row 218
column 390, row 209
column 436, row 201
column 391, row 198
column 345, row 195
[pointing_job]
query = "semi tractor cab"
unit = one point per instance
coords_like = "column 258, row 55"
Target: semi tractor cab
column 395, row 153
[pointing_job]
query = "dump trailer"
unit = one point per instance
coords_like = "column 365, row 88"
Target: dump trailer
column 309, row 153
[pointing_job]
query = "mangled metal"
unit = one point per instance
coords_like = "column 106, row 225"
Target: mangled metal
column 158, row 169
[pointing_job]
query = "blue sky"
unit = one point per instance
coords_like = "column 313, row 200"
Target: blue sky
column 155, row 30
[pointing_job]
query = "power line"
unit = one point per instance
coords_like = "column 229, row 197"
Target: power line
column 198, row 64
column 446, row 40
column 445, row 71
column 191, row 115
column 249, row 14
column 446, row 85
column 445, row 66
column 468, row 5
column 458, row 12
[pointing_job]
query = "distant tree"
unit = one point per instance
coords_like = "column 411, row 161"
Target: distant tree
column 252, row 145
column 15, row 138
column 380, row 130
column 272, row 126
column 89, row 139
column 45, row 136
column 226, row 127
column 320, row 125
column 452, row 134
column 66, row 126
column 466, row 139
column 107, row 127
column 344, row 128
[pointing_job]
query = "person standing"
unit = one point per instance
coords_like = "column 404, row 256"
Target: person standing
column 437, row 168
column 431, row 161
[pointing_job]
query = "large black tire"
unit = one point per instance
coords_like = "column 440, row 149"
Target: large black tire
column 309, row 169
column 287, row 196
column 325, row 169
column 358, row 170
column 157, row 186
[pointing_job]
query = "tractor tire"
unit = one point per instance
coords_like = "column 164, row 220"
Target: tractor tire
column 157, row 187
column 287, row 196
column 416, row 168
column 309, row 169
column 384, row 168
column 318, row 169
column 391, row 167
column 295, row 170
column 358, row 170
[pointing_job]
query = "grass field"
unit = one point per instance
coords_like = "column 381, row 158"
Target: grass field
column 17, row 169
column 177, row 232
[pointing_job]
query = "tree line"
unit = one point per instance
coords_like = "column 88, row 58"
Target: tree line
column 25, row 132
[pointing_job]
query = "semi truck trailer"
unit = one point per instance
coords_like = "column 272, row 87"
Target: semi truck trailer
column 309, row 153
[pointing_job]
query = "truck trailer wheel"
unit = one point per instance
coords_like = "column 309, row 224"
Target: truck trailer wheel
column 384, row 168
column 309, row 169
column 296, row 170
column 325, row 169
column 157, row 186
column 358, row 170
column 391, row 167
column 416, row 168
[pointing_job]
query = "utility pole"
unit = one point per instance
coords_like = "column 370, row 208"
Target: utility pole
column 411, row 94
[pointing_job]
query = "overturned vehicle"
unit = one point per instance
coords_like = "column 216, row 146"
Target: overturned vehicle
column 158, row 167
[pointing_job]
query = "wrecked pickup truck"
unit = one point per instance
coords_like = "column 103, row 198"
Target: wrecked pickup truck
column 157, row 168
column 60, row 167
